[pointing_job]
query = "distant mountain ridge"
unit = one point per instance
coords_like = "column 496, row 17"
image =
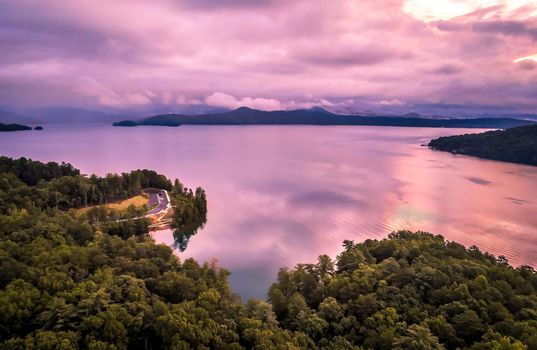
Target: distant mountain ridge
column 318, row 116
column 248, row 116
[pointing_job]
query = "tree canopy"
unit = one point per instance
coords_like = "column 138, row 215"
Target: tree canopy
column 516, row 145
column 410, row 291
column 70, row 281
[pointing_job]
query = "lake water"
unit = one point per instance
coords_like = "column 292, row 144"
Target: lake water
column 279, row 195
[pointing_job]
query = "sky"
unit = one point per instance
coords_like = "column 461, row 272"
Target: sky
column 354, row 56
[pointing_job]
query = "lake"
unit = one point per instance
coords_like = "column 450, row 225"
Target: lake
column 280, row 195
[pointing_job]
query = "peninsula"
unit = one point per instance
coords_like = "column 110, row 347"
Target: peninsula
column 516, row 145
column 13, row 127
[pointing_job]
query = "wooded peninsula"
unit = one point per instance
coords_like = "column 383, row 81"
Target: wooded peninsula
column 14, row 127
column 515, row 145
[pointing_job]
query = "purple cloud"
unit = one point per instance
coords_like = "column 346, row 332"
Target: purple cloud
column 515, row 28
column 448, row 69
column 267, row 54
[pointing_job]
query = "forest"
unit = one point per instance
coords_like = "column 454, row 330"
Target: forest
column 68, row 281
column 515, row 145
column 61, row 186
column 410, row 291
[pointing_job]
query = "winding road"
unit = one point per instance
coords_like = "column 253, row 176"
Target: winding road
column 162, row 201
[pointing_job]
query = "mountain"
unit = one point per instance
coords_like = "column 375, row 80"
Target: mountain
column 318, row 116
column 516, row 145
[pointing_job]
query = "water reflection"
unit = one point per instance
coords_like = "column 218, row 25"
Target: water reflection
column 182, row 235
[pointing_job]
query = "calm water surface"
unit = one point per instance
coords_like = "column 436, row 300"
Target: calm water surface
column 279, row 195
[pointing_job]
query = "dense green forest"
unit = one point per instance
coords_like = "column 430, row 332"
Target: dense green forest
column 62, row 186
column 516, row 145
column 67, row 282
column 410, row 291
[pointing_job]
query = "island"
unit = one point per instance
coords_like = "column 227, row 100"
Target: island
column 78, row 270
column 125, row 123
column 39, row 127
column 318, row 116
column 515, row 145
column 14, row 127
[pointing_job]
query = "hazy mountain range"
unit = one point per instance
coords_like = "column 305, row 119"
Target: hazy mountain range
column 244, row 115
column 319, row 116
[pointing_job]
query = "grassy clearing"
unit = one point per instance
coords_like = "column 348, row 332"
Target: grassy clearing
column 137, row 201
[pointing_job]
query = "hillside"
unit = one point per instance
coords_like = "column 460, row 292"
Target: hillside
column 516, row 145
column 316, row 116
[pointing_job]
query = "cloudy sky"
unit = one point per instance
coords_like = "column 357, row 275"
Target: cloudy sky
column 442, row 56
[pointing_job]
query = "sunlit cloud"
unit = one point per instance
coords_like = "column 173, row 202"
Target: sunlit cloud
column 527, row 58
column 427, row 10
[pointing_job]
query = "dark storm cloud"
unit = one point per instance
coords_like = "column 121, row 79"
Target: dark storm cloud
column 448, row 69
column 504, row 27
column 514, row 28
column 362, row 56
column 26, row 37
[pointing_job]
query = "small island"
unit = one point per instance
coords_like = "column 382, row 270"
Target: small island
column 39, row 127
column 14, row 127
column 125, row 123
column 516, row 145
